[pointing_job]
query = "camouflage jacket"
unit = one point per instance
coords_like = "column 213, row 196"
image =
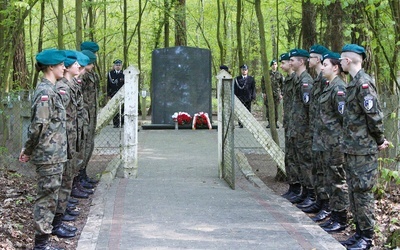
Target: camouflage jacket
column 90, row 88
column 276, row 84
column 287, row 89
column 319, row 84
column 363, row 117
column 328, row 135
column 47, row 136
column 300, row 107
column 69, row 95
column 82, row 116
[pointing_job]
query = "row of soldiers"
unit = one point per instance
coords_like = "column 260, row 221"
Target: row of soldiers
column 60, row 138
column 333, row 132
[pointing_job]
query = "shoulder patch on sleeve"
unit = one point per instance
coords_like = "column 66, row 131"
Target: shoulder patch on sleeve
column 62, row 92
column 305, row 85
column 44, row 98
column 340, row 93
column 365, row 86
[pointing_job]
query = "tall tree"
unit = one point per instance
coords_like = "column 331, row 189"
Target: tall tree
column 335, row 32
column 78, row 23
column 308, row 24
column 167, row 9
column 60, row 24
column 21, row 74
column 239, row 31
column 180, row 23
column 265, row 71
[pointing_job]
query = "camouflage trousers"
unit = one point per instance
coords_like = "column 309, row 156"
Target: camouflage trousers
column 292, row 172
column 70, row 171
column 361, row 176
column 87, row 148
column 276, row 105
column 335, row 183
column 302, row 158
column 48, row 187
column 318, row 173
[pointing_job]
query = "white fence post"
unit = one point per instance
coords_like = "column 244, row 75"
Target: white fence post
column 129, row 163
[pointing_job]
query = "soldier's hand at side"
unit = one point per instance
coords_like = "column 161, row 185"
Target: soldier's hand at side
column 23, row 157
column 384, row 145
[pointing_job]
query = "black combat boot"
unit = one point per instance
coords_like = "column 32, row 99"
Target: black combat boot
column 364, row 242
column 314, row 208
column 297, row 198
column 338, row 222
column 76, row 192
column 294, row 189
column 324, row 213
column 309, row 200
column 59, row 230
column 73, row 200
column 72, row 212
column 42, row 243
column 289, row 192
column 353, row 239
column 86, row 177
column 68, row 217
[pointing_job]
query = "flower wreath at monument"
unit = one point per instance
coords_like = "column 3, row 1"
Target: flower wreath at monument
column 182, row 118
column 201, row 120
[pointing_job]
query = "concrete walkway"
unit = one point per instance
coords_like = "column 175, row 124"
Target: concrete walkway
column 178, row 202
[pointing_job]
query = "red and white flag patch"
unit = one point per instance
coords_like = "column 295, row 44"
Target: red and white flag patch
column 305, row 85
column 44, row 98
column 365, row 86
column 341, row 93
column 62, row 92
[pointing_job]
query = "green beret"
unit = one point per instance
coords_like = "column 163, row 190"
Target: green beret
column 71, row 58
column 318, row 49
column 299, row 53
column 50, row 57
column 331, row 55
column 89, row 45
column 83, row 59
column 91, row 55
column 355, row 48
column 272, row 62
column 284, row 57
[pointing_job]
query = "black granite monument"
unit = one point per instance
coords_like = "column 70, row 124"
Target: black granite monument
column 181, row 81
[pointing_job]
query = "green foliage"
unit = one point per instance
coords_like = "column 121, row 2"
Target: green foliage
column 387, row 178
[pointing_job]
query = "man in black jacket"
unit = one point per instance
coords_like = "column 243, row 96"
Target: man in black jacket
column 115, row 80
column 245, row 88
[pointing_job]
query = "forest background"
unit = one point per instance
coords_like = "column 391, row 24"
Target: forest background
column 236, row 31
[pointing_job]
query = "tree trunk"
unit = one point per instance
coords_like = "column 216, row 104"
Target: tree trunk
column 268, row 87
column 180, row 23
column 167, row 9
column 21, row 74
column 60, row 22
column 308, row 24
column 40, row 39
column 239, row 32
column 78, row 23
column 335, row 32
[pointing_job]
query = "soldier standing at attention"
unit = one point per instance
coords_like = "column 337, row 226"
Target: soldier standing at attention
column 290, row 166
column 245, row 88
column 317, row 196
column 330, row 119
column 115, row 80
column 362, row 138
column 276, row 83
column 300, row 133
column 46, row 146
column 90, row 88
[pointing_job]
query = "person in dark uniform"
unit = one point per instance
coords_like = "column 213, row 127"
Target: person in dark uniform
column 115, row 80
column 245, row 88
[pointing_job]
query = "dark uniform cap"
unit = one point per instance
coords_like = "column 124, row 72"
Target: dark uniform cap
column 272, row 62
column 318, row 49
column 224, row 67
column 71, row 57
column 331, row 55
column 299, row 53
column 244, row 66
column 91, row 55
column 83, row 59
column 117, row 61
column 89, row 45
column 284, row 56
column 51, row 57
column 355, row 48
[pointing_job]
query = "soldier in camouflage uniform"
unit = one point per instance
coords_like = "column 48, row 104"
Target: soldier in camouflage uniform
column 288, row 85
column 300, row 132
column 276, row 84
column 313, row 202
column 362, row 138
column 46, row 146
column 331, row 108
column 90, row 88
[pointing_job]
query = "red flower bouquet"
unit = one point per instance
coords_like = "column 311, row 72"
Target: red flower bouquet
column 201, row 120
column 182, row 118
